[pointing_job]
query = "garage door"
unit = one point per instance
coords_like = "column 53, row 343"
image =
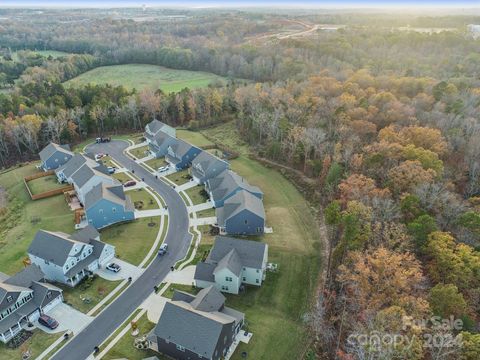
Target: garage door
column 52, row 304
column 34, row 316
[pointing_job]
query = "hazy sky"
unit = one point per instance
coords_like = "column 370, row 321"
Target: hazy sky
column 249, row 3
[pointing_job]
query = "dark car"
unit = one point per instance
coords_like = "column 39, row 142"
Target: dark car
column 48, row 321
column 130, row 183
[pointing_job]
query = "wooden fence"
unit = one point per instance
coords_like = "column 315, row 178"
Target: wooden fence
column 45, row 194
column 39, row 175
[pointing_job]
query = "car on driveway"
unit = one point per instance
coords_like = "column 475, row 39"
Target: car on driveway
column 113, row 267
column 99, row 156
column 48, row 321
column 163, row 168
column 163, row 249
column 111, row 169
column 130, row 183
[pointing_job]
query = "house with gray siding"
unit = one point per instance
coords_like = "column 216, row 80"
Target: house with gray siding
column 231, row 263
column 53, row 156
column 206, row 166
column 158, row 144
column 241, row 214
column 108, row 204
column 65, row 172
column 87, row 177
column 181, row 154
column 227, row 184
column 155, row 126
column 23, row 298
column 196, row 327
column 67, row 259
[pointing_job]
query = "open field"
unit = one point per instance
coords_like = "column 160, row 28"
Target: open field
column 124, row 349
column 23, row 217
column 95, row 291
column 193, row 137
column 37, row 343
column 141, row 76
column 275, row 311
column 142, row 196
column 44, row 184
column 132, row 240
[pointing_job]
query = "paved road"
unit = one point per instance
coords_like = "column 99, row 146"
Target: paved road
column 178, row 239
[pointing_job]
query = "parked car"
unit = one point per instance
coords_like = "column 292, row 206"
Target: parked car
column 163, row 249
column 48, row 321
column 102, row 140
column 113, row 267
column 111, row 169
column 99, row 156
column 163, row 168
column 130, row 183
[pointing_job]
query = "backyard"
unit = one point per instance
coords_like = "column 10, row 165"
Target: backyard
column 22, row 218
column 89, row 293
column 142, row 199
column 44, row 184
column 193, row 137
column 132, row 240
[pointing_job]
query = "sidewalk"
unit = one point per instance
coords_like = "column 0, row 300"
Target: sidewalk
column 200, row 207
column 186, row 186
column 149, row 213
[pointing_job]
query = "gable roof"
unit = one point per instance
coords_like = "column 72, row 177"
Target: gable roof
column 159, row 138
column 208, row 299
column 52, row 246
column 206, row 161
column 181, row 148
column 228, row 182
column 204, row 271
column 250, row 253
column 26, row 277
column 155, row 126
column 86, row 234
column 51, row 149
column 242, row 200
column 112, row 193
column 231, row 261
column 86, row 172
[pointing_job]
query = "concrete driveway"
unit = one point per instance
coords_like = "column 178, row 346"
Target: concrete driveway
column 184, row 276
column 127, row 270
column 154, row 305
column 68, row 319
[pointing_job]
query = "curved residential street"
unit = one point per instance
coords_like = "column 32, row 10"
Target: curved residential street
column 178, row 239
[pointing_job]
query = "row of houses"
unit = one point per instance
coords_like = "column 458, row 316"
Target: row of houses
column 102, row 197
column 239, row 205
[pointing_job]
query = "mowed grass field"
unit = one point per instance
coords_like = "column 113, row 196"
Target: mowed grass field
column 275, row 312
column 141, row 76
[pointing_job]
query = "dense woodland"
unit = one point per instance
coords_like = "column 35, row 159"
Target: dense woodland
column 384, row 123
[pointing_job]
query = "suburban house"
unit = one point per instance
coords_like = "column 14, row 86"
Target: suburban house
column 155, row 126
column 181, row 154
column 23, row 297
column 196, row 327
column 241, row 214
column 65, row 172
column 232, row 262
column 227, row 184
column 106, row 205
column 158, row 144
column 67, row 259
column 53, row 156
column 86, row 178
column 206, row 166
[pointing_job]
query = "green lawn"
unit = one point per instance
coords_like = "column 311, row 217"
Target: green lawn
column 94, row 290
column 122, row 177
column 227, row 134
column 23, row 217
column 44, row 184
column 36, row 344
column 124, row 349
column 156, row 163
column 207, row 237
column 206, row 213
column 140, row 152
column 186, row 288
column 141, row 76
column 132, row 240
column 179, row 177
column 193, row 137
column 107, row 161
column 142, row 199
column 197, row 195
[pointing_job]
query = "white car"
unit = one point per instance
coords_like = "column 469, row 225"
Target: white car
column 163, row 249
column 163, row 168
column 99, row 156
column 113, row 267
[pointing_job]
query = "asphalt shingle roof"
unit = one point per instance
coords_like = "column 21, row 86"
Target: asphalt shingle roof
column 206, row 161
column 231, row 261
column 208, row 300
column 51, row 148
column 227, row 182
column 51, row 246
column 250, row 253
column 111, row 193
column 242, row 200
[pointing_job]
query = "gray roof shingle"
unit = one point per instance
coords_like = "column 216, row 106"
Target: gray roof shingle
column 228, row 182
column 115, row 194
column 206, row 161
column 51, row 246
column 242, row 200
column 250, row 253
column 51, row 149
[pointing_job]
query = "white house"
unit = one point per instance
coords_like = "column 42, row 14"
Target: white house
column 67, row 259
column 85, row 178
column 231, row 263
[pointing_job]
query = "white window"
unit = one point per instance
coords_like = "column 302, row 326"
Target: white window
column 228, row 278
column 9, row 298
column 257, row 281
column 100, row 211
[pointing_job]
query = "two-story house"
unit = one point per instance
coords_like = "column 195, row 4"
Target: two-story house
column 23, row 298
column 241, row 214
column 181, row 154
column 86, row 177
column 53, row 156
column 155, row 126
column 65, row 172
column 67, row 259
column 231, row 263
column 206, row 166
column 106, row 205
column 196, row 327
column 158, row 144
column 227, row 184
